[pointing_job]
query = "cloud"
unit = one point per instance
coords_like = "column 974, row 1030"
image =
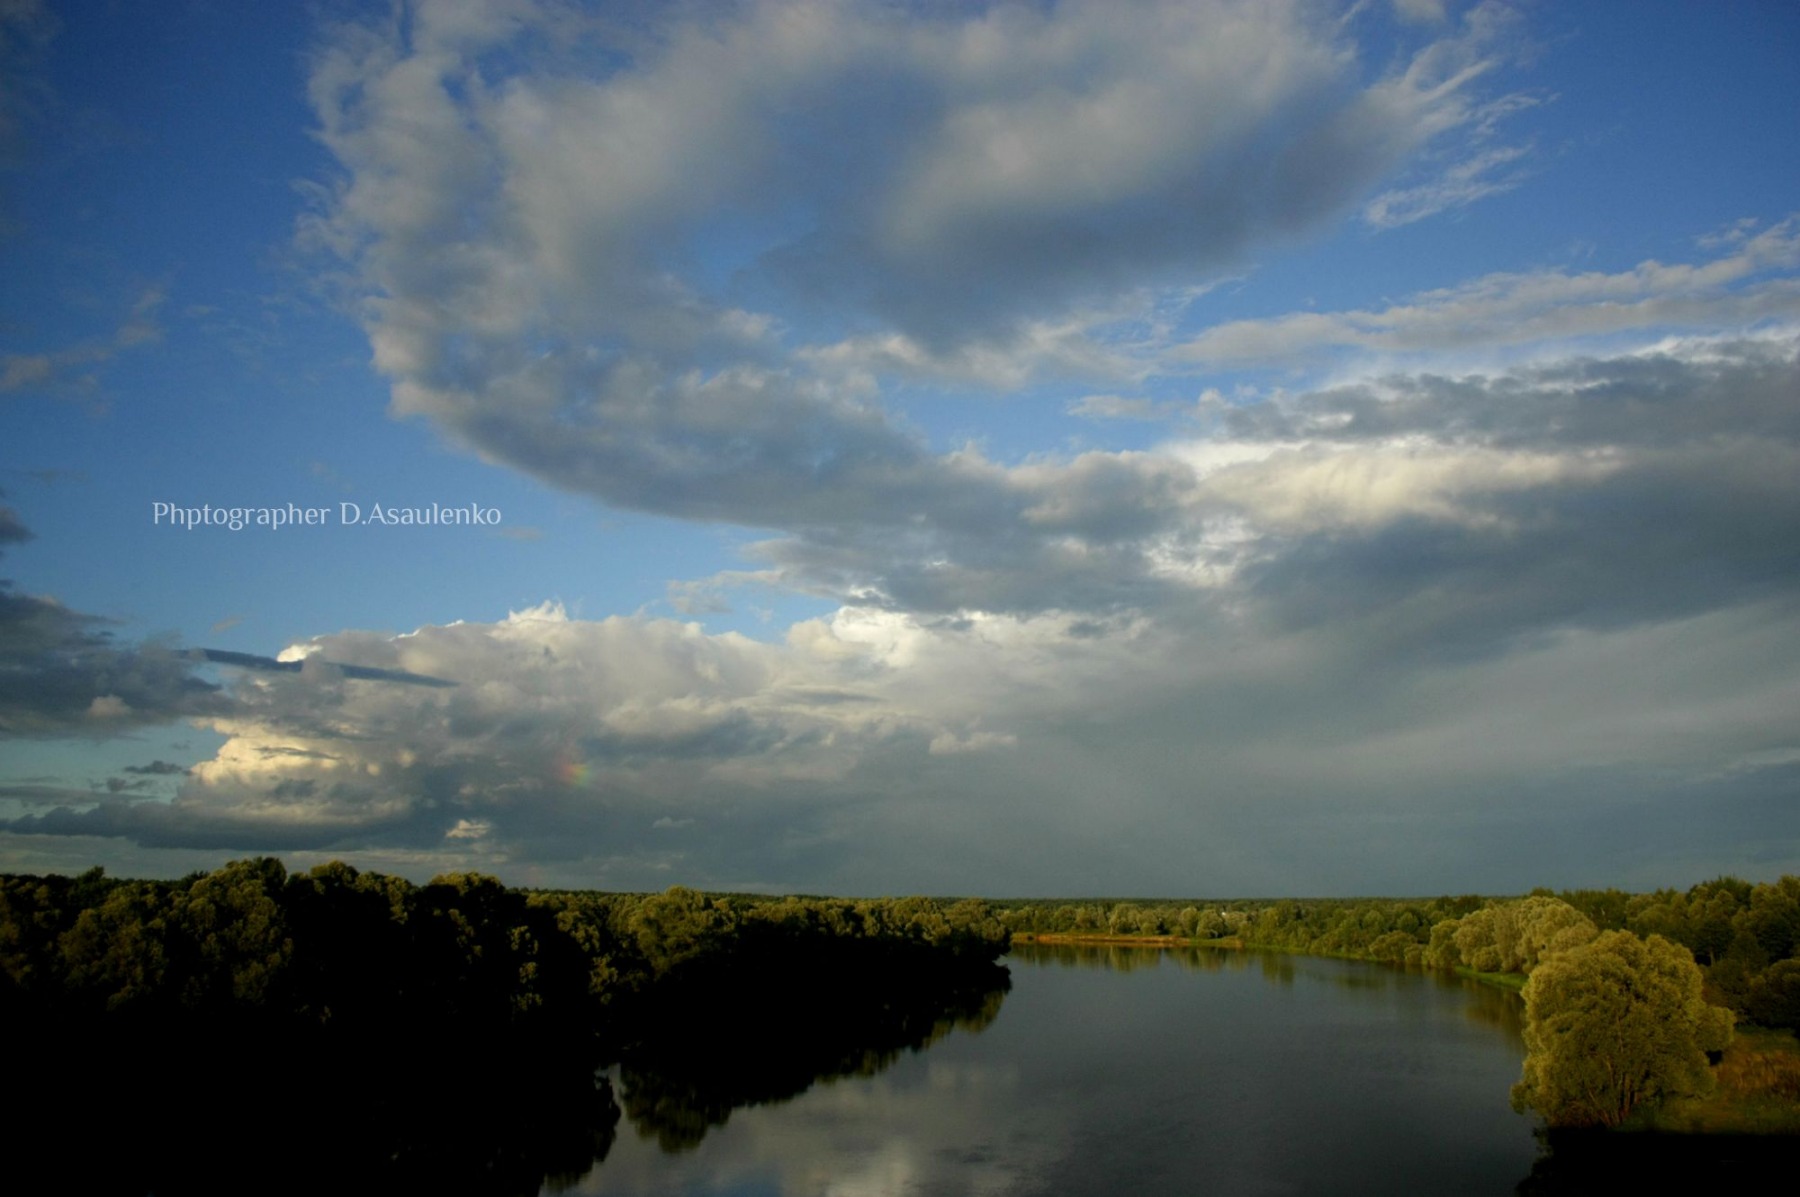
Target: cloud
column 598, row 274
column 45, row 793
column 315, row 664
column 69, row 370
column 62, row 673
column 1754, row 282
column 1465, row 182
column 1424, row 600
column 563, row 725
column 949, row 743
column 1531, row 535
column 12, row 529
column 1118, row 407
column 1419, row 10
column 597, row 277
column 158, row 769
column 983, row 747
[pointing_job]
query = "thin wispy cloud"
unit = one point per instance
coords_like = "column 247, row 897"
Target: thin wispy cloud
column 1754, row 283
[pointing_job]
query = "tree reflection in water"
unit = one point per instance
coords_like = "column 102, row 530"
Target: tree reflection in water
column 788, row 1028
column 201, row 1112
column 506, row 1117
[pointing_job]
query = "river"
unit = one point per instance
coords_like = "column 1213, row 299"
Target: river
column 1144, row 1072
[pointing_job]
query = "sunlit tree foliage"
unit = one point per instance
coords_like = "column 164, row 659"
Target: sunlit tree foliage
column 1612, row 1024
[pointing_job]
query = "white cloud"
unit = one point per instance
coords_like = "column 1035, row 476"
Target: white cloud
column 1372, row 485
column 1754, row 282
column 108, row 707
column 1461, row 184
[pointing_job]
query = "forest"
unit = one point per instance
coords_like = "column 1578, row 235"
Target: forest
column 416, row 1013
column 451, row 1033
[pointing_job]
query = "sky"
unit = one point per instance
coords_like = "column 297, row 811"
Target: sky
column 1125, row 449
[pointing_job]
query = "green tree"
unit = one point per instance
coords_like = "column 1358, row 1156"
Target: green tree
column 240, row 944
column 1613, row 1024
column 1775, row 996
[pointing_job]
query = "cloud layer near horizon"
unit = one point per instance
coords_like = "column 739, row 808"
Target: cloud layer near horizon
column 1419, row 603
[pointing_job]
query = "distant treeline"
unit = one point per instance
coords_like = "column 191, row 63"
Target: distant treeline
column 339, row 948
column 335, row 946
column 1745, row 937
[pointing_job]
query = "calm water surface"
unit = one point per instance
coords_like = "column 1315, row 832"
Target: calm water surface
column 1149, row 1072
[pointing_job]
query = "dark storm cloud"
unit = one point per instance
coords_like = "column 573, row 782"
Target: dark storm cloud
column 61, row 673
column 44, row 793
column 272, row 665
column 158, row 769
column 161, row 825
column 1681, row 494
column 1685, row 393
column 1660, row 541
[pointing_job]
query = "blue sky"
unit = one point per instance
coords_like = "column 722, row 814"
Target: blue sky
column 1059, row 448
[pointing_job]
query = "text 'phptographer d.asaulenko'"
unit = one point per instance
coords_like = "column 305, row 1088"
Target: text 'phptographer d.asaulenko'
column 349, row 515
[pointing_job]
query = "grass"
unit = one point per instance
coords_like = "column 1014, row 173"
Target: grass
column 1512, row 981
column 1758, row 1091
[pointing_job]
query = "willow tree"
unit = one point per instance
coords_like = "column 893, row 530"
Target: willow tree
column 1614, row 1024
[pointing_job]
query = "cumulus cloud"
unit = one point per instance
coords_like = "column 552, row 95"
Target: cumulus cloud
column 560, row 724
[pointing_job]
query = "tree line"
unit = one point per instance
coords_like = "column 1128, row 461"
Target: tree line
column 445, row 1036
column 1745, row 937
column 338, row 947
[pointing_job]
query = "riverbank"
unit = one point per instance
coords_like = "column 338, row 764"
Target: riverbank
column 1758, row 1076
column 1513, row 982
column 1758, row 1092
column 1125, row 941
